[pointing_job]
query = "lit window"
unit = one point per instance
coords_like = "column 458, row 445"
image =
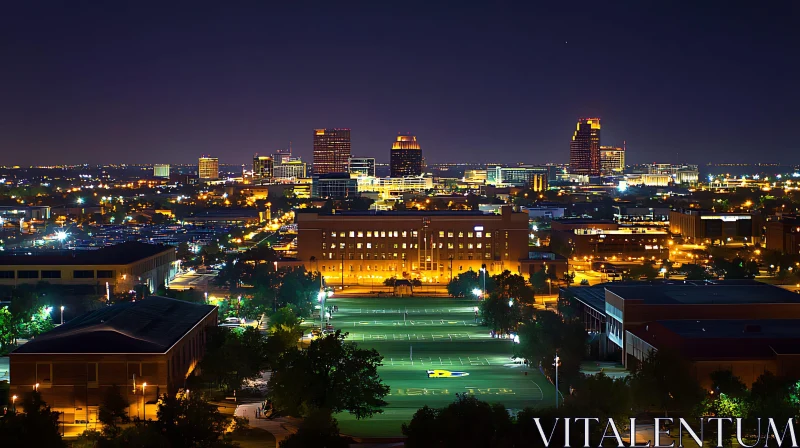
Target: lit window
column 369, row 234
column 341, row 245
column 469, row 234
column 449, row 245
column 449, row 234
column 369, row 245
column 469, row 246
column 395, row 246
column 395, row 233
column 360, row 234
column 480, row 246
column 405, row 234
column 341, row 234
column 461, row 234
column 383, row 234
column 414, row 233
column 441, row 234
column 333, row 234
column 352, row 234
column 358, row 245
column 404, row 245
column 478, row 234
column 460, row 245
column 440, row 245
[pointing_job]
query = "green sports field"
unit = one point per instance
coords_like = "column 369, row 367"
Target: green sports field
column 419, row 334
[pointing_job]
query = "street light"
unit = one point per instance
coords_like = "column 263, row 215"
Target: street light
column 477, row 292
column 62, row 314
column 483, row 269
column 14, row 402
column 144, row 401
column 557, row 362
column 36, row 387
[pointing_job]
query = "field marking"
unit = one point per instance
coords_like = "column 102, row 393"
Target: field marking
column 541, row 392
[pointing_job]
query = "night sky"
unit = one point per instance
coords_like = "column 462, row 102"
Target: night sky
column 145, row 82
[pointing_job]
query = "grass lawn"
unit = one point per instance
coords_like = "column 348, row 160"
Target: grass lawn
column 419, row 334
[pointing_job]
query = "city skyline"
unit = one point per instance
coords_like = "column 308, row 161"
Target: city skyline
column 163, row 84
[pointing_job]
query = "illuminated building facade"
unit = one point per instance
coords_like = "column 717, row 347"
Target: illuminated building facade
column 699, row 226
column 290, row 170
column 606, row 239
column 406, row 157
column 333, row 185
column 161, row 171
column 394, row 187
column 362, row 166
column 208, row 168
column 360, row 247
column 331, row 151
column 584, row 149
column 534, row 178
column 262, row 168
column 612, row 160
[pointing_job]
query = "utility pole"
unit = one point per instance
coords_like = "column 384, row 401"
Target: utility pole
column 556, row 363
column 451, row 268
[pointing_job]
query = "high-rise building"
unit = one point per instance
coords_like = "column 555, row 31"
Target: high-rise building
column 262, row 167
column 282, row 155
column 362, row 166
column 290, row 170
column 161, row 170
column 612, row 160
column 584, row 149
column 406, row 157
column 331, row 150
column 208, row 168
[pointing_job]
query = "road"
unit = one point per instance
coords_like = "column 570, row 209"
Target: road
column 194, row 280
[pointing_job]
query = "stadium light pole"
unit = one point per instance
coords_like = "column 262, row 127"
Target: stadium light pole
column 483, row 270
column 62, row 314
column 557, row 362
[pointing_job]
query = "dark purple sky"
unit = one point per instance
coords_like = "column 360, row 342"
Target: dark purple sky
column 145, row 82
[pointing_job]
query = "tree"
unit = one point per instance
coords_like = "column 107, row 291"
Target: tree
column 725, row 382
column 190, row 421
column 601, row 396
column 501, row 314
column 7, row 331
column 320, row 429
column 544, row 336
column 467, row 422
column 36, row 425
column 466, row 282
column 113, row 409
column 664, row 381
column 512, row 286
column 695, row 272
column 233, row 355
column 329, row 374
column 646, row 270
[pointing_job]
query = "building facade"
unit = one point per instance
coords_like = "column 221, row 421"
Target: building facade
column 119, row 268
column 146, row 348
column 534, row 178
column 334, row 186
column 699, row 226
column 394, row 187
column 262, row 168
column 406, row 157
column 584, row 149
column 783, row 235
column 612, row 160
column 607, row 240
column 161, row 170
column 208, row 168
column 290, row 170
column 361, row 247
column 362, row 166
column 331, row 151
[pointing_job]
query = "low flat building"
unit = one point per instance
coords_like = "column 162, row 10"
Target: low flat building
column 616, row 308
column 226, row 217
column 357, row 247
column 606, row 239
column 698, row 226
column 122, row 267
column 746, row 347
column 147, row 348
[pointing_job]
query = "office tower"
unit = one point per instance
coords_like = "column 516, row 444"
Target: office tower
column 584, row 149
column 406, row 157
column 208, row 168
column 161, row 170
column 612, row 160
column 290, row 170
column 331, row 150
column 362, row 166
column 283, row 155
column 262, row 167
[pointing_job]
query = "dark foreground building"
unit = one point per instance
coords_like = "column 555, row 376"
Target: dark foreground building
column 147, row 348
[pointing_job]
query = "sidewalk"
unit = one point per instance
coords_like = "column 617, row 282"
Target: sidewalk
column 277, row 427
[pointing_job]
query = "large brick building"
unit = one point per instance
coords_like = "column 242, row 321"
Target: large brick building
column 364, row 247
column 606, row 239
column 156, row 341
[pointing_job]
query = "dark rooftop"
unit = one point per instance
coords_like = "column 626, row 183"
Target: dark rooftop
column 734, row 328
column 151, row 325
column 701, row 293
column 122, row 253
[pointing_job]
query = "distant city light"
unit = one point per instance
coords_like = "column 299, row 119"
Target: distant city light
column 80, row 200
column 61, row 235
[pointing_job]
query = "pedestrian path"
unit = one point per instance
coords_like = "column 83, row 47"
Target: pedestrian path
column 277, row 426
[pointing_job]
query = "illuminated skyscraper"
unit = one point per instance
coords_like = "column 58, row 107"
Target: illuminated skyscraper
column 161, row 171
column 612, row 159
column 262, row 167
column 331, row 151
column 406, row 157
column 584, row 149
column 208, row 168
column 362, row 166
